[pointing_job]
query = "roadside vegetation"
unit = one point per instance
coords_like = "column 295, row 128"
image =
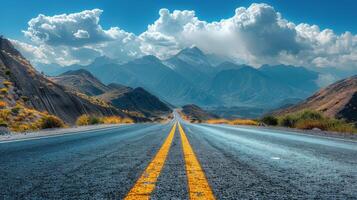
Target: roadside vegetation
column 21, row 119
column 232, row 121
column 308, row 120
column 17, row 117
column 85, row 120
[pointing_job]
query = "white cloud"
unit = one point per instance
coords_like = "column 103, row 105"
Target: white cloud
column 81, row 34
column 255, row 35
column 74, row 29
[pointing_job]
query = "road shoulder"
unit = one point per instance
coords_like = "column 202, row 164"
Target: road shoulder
column 54, row 132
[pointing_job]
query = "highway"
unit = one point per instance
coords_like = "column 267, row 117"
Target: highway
column 179, row 161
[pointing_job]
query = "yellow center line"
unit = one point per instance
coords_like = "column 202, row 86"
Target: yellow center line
column 147, row 182
column 197, row 183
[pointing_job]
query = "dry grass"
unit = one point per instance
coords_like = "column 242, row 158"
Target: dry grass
column 309, row 119
column 7, row 83
column 84, row 120
column 20, row 119
column 4, row 90
column 232, row 122
column 2, row 104
column 112, row 120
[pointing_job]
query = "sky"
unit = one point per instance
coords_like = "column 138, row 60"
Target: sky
column 134, row 16
column 303, row 33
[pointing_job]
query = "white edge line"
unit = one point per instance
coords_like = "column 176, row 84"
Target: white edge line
column 59, row 134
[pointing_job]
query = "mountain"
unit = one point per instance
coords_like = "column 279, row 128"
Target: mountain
column 192, row 64
column 189, row 77
column 82, row 81
column 247, row 86
column 297, row 77
column 41, row 93
column 137, row 100
column 338, row 100
column 150, row 73
column 194, row 112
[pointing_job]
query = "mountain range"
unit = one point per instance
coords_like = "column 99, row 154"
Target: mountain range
column 338, row 100
column 67, row 96
column 191, row 77
column 136, row 102
column 41, row 93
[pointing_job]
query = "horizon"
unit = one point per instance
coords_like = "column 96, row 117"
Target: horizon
column 257, row 34
column 178, row 99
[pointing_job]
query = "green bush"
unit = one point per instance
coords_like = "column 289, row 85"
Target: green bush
column 51, row 122
column 7, row 72
column 94, row 120
column 15, row 110
column 309, row 119
column 287, row 121
column 84, row 120
column 25, row 98
column 269, row 120
column 310, row 114
column 3, row 124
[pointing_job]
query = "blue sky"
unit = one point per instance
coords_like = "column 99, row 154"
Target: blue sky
column 316, row 34
column 134, row 16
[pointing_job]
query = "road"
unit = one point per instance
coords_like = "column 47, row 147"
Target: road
column 189, row 161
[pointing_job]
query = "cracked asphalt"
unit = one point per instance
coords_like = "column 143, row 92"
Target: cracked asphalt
column 238, row 162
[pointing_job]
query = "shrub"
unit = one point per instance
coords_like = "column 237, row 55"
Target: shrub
column 127, row 121
column 309, row 119
column 95, row 120
column 310, row 114
column 88, row 120
column 269, row 120
column 51, row 122
column 217, row 121
column 309, row 124
column 287, row 121
column 83, row 120
column 243, row 122
column 7, row 83
column 7, row 72
column 25, row 98
column 232, row 122
column 4, row 90
column 111, row 120
column 3, row 123
column 15, row 110
column 2, row 104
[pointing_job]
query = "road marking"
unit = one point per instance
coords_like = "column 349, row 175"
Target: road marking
column 145, row 185
column 197, row 183
column 69, row 133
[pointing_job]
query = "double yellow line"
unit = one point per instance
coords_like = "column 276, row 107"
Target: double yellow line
column 197, row 183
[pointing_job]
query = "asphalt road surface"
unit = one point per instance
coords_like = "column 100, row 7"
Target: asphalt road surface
column 179, row 161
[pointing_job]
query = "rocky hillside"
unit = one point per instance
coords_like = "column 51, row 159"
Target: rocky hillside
column 194, row 113
column 40, row 93
column 82, row 81
column 338, row 100
column 136, row 102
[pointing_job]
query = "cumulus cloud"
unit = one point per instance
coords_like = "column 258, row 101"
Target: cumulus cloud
column 60, row 55
column 254, row 35
column 76, row 38
column 69, row 29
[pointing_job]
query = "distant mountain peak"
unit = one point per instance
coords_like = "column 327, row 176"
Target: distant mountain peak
column 147, row 59
column 103, row 60
column 192, row 51
column 78, row 72
column 6, row 45
column 192, row 56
